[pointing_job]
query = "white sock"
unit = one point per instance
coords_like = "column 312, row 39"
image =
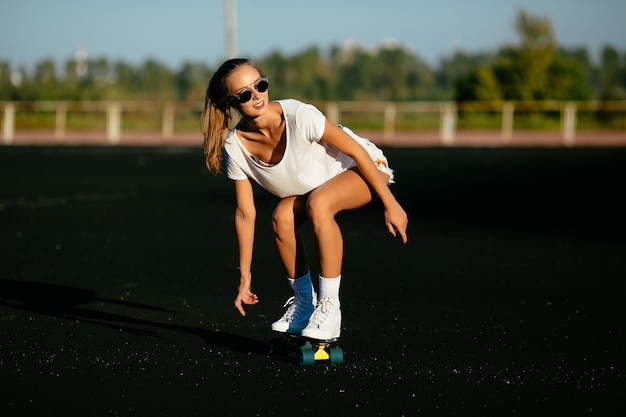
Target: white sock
column 329, row 287
column 303, row 286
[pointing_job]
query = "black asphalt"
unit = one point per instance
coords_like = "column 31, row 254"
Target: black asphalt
column 118, row 273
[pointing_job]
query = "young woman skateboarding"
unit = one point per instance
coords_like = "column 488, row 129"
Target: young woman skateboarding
column 316, row 168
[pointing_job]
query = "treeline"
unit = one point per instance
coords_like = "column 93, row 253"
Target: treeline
column 536, row 68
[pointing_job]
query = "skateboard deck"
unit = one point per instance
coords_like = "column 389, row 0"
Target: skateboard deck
column 305, row 350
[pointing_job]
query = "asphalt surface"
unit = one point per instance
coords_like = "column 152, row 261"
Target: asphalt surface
column 118, row 272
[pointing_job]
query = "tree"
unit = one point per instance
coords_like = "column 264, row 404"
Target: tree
column 580, row 56
column 7, row 89
column 612, row 78
column 304, row 75
column 355, row 79
column 126, row 82
column 566, row 81
column 46, row 80
column 522, row 70
column 401, row 76
column 459, row 65
column 155, row 81
column 191, row 81
column 535, row 68
column 275, row 66
column 478, row 84
column 531, row 70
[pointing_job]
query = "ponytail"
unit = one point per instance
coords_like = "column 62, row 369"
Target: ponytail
column 215, row 123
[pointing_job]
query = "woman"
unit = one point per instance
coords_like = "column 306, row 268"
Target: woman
column 317, row 169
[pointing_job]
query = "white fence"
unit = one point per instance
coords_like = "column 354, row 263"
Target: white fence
column 112, row 109
column 447, row 113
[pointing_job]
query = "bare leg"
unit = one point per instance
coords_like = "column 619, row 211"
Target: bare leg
column 344, row 192
column 289, row 214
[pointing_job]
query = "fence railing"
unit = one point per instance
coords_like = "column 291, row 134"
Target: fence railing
column 113, row 111
column 447, row 112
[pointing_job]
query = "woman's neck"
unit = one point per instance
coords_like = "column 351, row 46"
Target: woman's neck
column 266, row 123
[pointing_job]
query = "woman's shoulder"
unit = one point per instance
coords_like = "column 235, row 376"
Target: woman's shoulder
column 230, row 141
column 296, row 107
column 289, row 104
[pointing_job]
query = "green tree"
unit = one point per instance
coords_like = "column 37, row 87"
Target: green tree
column 7, row 89
column 523, row 70
column 478, row 84
column 566, row 81
column 191, row 81
column 612, row 79
column 26, row 88
column 126, row 85
column 531, row 70
column 275, row 67
column 355, row 79
column 452, row 70
column 588, row 72
column 305, row 74
column 401, row 76
column 421, row 81
column 46, row 80
column 70, row 82
column 98, row 81
column 391, row 70
column 155, row 81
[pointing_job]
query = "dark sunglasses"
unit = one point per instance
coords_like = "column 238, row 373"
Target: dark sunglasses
column 261, row 85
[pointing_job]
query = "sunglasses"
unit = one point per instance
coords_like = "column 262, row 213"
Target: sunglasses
column 261, row 85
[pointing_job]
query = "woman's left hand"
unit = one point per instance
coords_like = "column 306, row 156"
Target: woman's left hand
column 397, row 221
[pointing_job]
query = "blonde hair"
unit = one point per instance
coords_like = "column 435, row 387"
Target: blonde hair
column 217, row 114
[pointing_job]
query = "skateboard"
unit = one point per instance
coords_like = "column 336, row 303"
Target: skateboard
column 305, row 350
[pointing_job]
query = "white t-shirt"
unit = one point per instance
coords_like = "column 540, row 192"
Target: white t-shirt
column 306, row 164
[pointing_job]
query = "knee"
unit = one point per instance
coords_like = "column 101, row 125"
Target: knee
column 283, row 221
column 318, row 210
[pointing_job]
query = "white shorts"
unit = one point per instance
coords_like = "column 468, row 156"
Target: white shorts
column 377, row 155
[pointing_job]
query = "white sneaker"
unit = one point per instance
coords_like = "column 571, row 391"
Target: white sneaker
column 299, row 310
column 325, row 322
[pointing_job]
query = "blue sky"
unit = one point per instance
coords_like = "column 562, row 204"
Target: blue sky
column 175, row 31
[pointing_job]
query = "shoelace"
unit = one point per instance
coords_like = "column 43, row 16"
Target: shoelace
column 321, row 311
column 294, row 306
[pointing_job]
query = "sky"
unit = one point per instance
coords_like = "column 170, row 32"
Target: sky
column 176, row 31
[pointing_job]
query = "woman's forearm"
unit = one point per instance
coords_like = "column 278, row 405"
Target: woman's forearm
column 244, row 229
